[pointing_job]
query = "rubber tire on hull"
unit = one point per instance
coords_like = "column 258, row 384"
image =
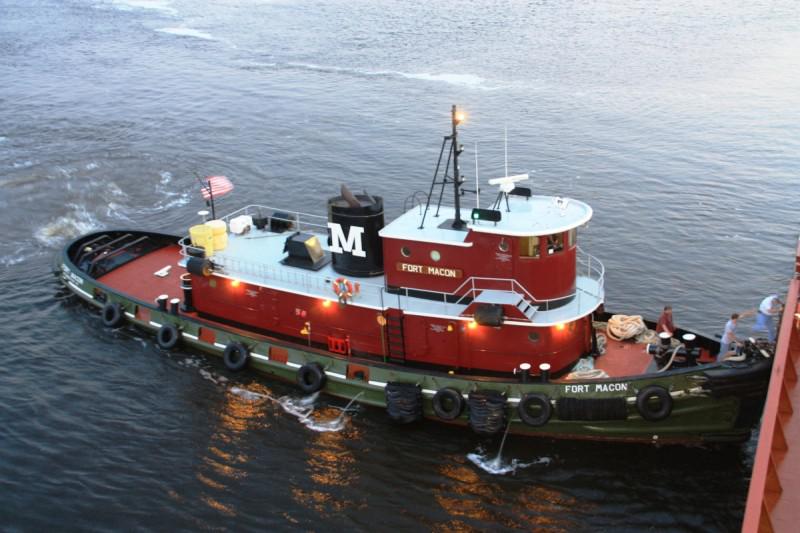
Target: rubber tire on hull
column 113, row 315
column 311, row 377
column 535, row 399
column 168, row 336
column 235, row 356
column 487, row 411
column 644, row 407
column 199, row 266
column 448, row 404
column 403, row 402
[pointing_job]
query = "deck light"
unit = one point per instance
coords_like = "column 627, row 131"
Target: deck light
column 560, row 326
column 472, row 324
column 326, row 303
column 460, row 117
column 235, row 283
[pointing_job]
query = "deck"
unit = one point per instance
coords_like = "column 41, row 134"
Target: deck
column 129, row 279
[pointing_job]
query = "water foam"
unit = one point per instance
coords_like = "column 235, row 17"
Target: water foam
column 178, row 200
column 463, row 80
column 16, row 257
column 248, row 395
column 188, row 32
column 496, row 466
column 115, row 190
column 162, row 6
column 67, row 226
column 301, row 408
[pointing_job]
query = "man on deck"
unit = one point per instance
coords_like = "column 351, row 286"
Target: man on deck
column 770, row 307
column 665, row 321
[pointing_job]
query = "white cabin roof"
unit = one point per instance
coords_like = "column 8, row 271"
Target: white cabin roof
column 531, row 217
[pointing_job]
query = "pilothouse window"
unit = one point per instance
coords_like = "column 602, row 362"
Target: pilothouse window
column 529, row 246
column 571, row 237
column 555, row 243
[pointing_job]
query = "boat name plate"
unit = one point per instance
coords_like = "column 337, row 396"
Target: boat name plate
column 595, row 387
column 430, row 270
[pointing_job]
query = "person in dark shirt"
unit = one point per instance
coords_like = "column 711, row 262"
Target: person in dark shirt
column 665, row 321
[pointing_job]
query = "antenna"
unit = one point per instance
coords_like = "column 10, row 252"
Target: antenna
column 456, row 119
column 505, row 146
column 477, row 183
column 506, row 185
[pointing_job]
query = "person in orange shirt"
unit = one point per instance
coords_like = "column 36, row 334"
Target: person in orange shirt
column 665, row 321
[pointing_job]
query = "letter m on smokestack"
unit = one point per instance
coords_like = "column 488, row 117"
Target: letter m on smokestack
column 352, row 244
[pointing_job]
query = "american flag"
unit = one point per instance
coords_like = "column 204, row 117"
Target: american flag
column 218, row 185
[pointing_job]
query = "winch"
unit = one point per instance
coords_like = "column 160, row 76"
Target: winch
column 684, row 354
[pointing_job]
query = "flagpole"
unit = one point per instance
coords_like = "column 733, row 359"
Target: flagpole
column 211, row 198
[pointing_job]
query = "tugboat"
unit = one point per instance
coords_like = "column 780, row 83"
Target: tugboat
column 490, row 318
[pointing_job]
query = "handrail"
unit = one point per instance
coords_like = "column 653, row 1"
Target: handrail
column 301, row 219
column 594, row 270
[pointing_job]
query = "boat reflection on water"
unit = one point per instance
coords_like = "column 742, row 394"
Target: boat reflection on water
column 331, row 467
column 468, row 497
column 225, row 460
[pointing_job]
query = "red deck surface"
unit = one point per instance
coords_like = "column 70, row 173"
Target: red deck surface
column 773, row 501
column 137, row 278
column 623, row 358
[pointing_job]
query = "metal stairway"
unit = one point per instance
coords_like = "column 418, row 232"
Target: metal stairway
column 527, row 309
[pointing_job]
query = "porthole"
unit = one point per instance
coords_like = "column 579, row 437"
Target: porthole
column 503, row 246
column 435, row 255
column 533, row 336
column 406, row 251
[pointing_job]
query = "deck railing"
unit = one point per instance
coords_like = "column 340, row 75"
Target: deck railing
column 586, row 266
column 300, row 221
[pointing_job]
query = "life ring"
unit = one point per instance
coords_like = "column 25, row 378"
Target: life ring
column 235, row 356
column 533, row 401
column 343, row 289
column 168, row 336
column 112, row 315
column 645, row 407
column 311, row 377
column 448, row 403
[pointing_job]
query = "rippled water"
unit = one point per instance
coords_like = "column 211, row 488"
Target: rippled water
column 677, row 121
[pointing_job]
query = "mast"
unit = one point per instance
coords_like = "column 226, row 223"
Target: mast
column 455, row 149
column 457, row 117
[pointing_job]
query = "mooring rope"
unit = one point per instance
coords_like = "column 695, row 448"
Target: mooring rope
column 671, row 359
column 621, row 327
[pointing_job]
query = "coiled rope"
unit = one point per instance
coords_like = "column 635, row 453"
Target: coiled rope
column 622, row 327
column 595, row 373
